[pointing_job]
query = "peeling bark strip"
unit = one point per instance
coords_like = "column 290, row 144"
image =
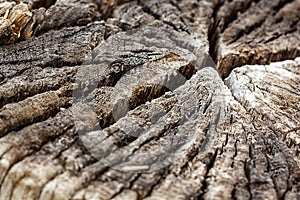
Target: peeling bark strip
column 14, row 19
column 132, row 107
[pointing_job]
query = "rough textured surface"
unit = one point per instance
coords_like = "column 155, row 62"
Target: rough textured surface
column 119, row 99
column 14, row 19
column 264, row 32
column 69, row 46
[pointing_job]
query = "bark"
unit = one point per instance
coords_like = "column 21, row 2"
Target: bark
column 121, row 100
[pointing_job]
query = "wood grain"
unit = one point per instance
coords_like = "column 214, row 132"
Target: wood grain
column 151, row 100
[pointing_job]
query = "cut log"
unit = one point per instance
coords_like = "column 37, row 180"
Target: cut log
column 133, row 107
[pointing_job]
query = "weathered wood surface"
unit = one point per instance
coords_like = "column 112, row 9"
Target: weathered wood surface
column 119, row 99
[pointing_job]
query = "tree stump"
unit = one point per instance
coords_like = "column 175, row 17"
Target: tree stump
column 149, row 99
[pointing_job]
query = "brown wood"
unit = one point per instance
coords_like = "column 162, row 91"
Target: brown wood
column 120, row 99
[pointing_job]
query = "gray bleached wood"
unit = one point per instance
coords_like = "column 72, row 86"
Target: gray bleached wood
column 64, row 136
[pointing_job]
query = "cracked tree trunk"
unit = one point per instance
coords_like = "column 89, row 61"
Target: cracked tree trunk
column 121, row 99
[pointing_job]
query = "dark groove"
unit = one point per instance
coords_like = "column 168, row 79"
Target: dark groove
column 279, row 35
column 235, row 152
column 36, row 119
column 247, row 167
column 259, row 23
column 281, row 5
column 150, row 12
column 233, row 16
column 49, row 140
column 209, row 167
column 42, row 3
column 213, row 32
column 163, row 176
column 241, row 33
column 22, row 95
column 130, row 185
column 233, row 193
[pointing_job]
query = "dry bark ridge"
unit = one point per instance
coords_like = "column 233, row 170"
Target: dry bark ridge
column 264, row 32
column 131, row 108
